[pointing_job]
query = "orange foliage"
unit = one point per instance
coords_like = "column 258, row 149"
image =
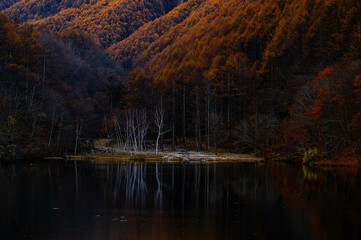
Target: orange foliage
column 358, row 82
column 320, row 103
column 325, row 73
column 108, row 21
column 246, row 52
column 357, row 85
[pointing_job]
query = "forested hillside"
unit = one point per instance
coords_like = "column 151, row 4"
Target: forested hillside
column 249, row 76
column 38, row 9
column 107, row 21
column 53, row 90
column 7, row 3
column 242, row 63
column 135, row 45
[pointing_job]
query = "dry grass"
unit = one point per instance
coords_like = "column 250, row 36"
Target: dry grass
column 179, row 155
column 169, row 156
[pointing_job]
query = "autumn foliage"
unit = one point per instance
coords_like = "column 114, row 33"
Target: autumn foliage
column 326, row 113
column 248, row 76
column 107, row 21
column 259, row 59
column 49, row 86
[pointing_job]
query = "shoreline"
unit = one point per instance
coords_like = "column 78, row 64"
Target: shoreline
column 179, row 156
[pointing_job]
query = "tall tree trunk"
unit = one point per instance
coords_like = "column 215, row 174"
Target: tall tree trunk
column 229, row 112
column 215, row 141
column 196, row 123
column 245, row 99
column 77, row 135
column 52, row 124
column 173, row 115
column 184, row 116
column 59, row 131
column 198, row 120
column 208, row 114
column 161, row 130
column 156, row 143
column 43, row 78
column 240, row 112
column 76, row 144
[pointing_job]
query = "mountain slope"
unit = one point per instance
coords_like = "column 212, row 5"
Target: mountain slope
column 4, row 4
column 51, row 88
column 263, row 30
column 246, row 60
column 129, row 49
column 38, row 9
column 243, row 68
column 107, row 21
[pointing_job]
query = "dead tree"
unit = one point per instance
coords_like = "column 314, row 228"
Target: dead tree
column 135, row 128
column 159, row 122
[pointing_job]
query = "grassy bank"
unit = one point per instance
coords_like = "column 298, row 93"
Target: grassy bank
column 168, row 156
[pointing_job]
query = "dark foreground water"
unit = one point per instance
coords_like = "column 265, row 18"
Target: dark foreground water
column 83, row 200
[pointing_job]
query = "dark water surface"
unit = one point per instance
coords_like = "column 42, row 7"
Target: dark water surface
column 84, row 200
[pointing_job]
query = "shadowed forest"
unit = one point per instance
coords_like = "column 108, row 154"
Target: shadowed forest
column 180, row 119
column 281, row 79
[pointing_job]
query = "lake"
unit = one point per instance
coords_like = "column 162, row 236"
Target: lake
column 124, row 200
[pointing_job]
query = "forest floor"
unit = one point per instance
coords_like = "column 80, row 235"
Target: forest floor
column 107, row 152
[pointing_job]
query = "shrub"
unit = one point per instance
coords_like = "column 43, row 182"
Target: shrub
column 312, row 155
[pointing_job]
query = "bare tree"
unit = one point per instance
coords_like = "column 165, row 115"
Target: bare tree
column 173, row 114
column 54, row 108
column 258, row 131
column 78, row 130
column 159, row 122
column 118, row 131
column 60, row 125
column 110, row 129
column 207, row 123
column 135, row 128
column 184, row 116
column 215, row 124
column 197, row 123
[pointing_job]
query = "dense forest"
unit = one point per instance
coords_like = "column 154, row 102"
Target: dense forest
column 255, row 70
column 281, row 79
column 53, row 89
column 107, row 21
column 6, row 4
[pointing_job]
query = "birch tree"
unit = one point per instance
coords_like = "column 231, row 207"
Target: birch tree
column 159, row 122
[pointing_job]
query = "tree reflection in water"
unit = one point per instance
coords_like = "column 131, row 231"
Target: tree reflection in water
column 196, row 186
column 84, row 200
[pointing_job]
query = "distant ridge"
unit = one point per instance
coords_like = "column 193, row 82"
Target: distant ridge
column 107, row 21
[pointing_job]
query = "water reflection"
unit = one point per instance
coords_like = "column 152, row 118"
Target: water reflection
column 127, row 200
column 195, row 186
